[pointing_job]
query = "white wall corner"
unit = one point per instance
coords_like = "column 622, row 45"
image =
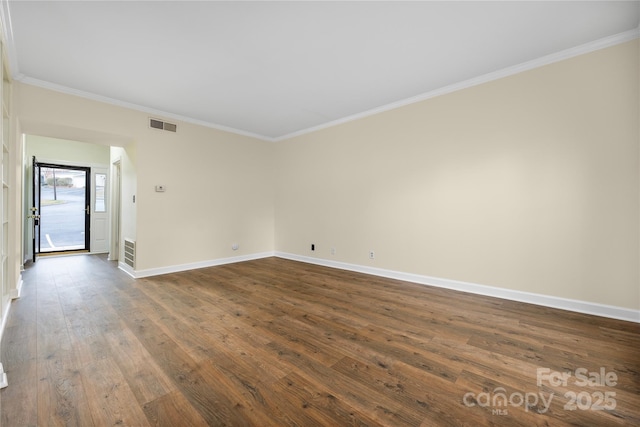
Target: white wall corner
column 137, row 274
column 3, row 325
column 3, row 377
column 17, row 292
column 585, row 307
column 124, row 267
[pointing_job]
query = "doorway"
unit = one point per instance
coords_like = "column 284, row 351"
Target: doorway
column 61, row 203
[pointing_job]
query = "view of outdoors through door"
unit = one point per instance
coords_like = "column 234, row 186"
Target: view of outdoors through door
column 64, row 208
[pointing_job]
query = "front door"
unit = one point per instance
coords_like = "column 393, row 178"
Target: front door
column 35, row 208
column 63, row 194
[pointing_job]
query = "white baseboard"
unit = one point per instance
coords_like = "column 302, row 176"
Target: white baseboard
column 98, row 252
column 3, row 377
column 585, row 307
column 137, row 274
column 17, row 292
column 13, row 294
column 578, row 306
column 124, row 267
column 5, row 318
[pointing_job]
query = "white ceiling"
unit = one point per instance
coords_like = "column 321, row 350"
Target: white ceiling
column 272, row 69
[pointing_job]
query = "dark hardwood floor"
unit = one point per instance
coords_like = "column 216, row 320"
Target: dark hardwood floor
column 274, row 342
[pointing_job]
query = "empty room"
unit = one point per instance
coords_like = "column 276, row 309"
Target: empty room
column 320, row 213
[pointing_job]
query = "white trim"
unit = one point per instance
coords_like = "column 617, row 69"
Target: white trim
column 137, row 274
column 3, row 377
column 124, row 267
column 17, row 292
column 92, row 167
column 158, row 113
column 5, row 17
column 578, row 306
column 7, row 36
column 505, row 72
column 585, row 307
column 475, row 81
column 5, row 318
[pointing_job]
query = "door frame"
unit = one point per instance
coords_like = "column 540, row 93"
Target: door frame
column 29, row 197
column 35, row 208
column 100, row 220
column 116, row 209
column 87, row 200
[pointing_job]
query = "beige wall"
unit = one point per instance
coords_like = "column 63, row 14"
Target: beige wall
column 528, row 183
column 219, row 191
column 219, row 185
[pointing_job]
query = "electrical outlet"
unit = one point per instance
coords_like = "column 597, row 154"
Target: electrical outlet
column 372, row 255
column 313, row 247
column 333, row 251
column 235, row 246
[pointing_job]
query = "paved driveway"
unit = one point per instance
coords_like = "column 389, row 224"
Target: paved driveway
column 62, row 220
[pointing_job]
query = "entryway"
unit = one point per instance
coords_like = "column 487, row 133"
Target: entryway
column 64, row 194
column 69, row 209
column 67, row 197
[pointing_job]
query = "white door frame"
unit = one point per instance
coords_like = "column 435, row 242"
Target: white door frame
column 116, row 210
column 100, row 236
column 93, row 167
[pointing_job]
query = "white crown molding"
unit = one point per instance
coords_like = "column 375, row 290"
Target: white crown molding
column 7, row 37
column 138, row 274
column 585, row 307
column 5, row 18
column 131, row 106
column 495, row 75
column 505, row 72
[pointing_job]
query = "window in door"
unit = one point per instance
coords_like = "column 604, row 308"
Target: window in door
column 64, row 208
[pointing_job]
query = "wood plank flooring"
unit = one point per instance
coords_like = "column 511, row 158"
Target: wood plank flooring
column 274, row 342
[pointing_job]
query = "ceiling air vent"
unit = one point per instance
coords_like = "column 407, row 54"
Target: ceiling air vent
column 159, row 124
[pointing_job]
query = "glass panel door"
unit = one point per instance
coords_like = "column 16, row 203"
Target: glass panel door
column 64, row 208
column 35, row 208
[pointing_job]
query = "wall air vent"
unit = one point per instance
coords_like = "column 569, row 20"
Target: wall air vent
column 159, row 124
column 130, row 253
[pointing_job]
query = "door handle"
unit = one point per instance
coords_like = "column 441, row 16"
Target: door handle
column 36, row 219
column 88, row 209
